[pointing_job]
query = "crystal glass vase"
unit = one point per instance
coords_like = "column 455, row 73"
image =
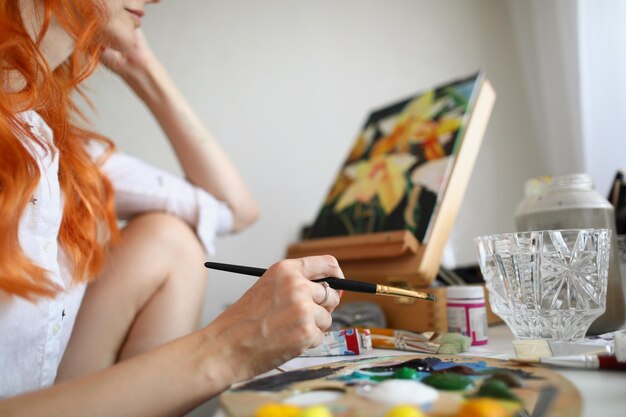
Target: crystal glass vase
column 548, row 284
column 494, row 280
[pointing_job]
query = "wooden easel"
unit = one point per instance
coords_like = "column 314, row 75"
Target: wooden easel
column 396, row 258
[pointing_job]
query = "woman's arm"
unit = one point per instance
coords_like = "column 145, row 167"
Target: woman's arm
column 168, row 381
column 205, row 163
column 140, row 188
column 275, row 320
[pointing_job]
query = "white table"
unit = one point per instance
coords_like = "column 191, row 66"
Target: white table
column 603, row 392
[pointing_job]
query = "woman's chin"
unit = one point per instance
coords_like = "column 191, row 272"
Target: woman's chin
column 122, row 35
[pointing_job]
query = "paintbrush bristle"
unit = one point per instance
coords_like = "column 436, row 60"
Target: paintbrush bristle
column 403, row 292
column 431, row 297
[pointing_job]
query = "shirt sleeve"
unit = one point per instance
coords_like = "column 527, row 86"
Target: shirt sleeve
column 140, row 187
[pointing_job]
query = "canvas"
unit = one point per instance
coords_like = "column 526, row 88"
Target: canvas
column 397, row 171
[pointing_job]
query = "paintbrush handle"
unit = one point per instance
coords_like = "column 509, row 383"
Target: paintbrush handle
column 349, row 285
column 335, row 283
column 238, row 269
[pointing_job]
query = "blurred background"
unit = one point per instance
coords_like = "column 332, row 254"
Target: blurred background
column 285, row 85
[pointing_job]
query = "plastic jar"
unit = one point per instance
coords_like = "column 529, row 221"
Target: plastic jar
column 571, row 202
column 467, row 313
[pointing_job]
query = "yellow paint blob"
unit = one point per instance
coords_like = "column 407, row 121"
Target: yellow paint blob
column 483, row 407
column 405, row 411
column 278, row 410
column 316, row 411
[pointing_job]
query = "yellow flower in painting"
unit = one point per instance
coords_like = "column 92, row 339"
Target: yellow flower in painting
column 396, row 141
column 383, row 175
column 341, row 183
column 415, row 125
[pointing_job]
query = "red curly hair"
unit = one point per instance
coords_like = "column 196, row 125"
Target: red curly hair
column 88, row 219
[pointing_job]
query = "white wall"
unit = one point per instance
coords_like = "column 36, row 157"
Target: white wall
column 603, row 87
column 546, row 34
column 286, row 85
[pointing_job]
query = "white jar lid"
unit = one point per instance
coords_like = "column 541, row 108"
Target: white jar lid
column 465, row 291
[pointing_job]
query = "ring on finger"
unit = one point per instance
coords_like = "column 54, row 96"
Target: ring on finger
column 326, row 292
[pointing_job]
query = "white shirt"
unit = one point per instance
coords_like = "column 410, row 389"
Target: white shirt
column 33, row 336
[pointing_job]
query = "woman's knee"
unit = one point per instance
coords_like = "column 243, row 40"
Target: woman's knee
column 166, row 234
column 167, row 256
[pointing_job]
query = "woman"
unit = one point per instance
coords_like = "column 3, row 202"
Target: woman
column 53, row 199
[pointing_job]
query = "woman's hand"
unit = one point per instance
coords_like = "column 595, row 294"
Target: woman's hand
column 278, row 317
column 132, row 63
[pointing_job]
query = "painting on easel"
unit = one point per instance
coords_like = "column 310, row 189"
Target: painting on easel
column 396, row 172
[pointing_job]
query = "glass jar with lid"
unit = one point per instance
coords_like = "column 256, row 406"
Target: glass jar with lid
column 571, row 202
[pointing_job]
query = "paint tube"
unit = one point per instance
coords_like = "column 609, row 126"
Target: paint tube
column 355, row 341
column 337, row 343
column 383, row 338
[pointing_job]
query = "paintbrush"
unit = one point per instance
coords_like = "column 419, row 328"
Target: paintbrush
column 336, row 283
column 577, row 361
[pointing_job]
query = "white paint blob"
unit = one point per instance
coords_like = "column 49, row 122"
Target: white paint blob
column 313, row 397
column 399, row 391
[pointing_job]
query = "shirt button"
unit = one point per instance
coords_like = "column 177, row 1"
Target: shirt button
column 55, row 329
column 47, row 246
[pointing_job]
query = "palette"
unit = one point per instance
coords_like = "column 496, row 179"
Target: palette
column 340, row 385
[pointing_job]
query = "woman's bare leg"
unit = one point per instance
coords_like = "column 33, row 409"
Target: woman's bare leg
column 150, row 292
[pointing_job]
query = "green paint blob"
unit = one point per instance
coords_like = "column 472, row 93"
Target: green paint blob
column 359, row 375
column 448, row 381
column 406, row 373
column 495, row 388
column 509, row 378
